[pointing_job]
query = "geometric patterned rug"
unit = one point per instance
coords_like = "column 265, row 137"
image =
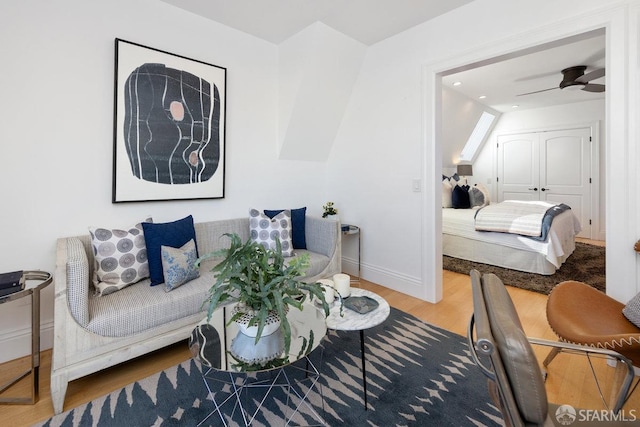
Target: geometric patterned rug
column 417, row 375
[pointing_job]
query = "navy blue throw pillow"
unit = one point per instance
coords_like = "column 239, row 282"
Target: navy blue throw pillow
column 298, row 224
column 174, row 234
column 460, row 197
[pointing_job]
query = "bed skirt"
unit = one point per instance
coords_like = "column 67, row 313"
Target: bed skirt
column 498, row 255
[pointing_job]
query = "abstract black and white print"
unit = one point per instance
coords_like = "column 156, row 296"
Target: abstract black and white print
column 169, row 126
column 172, row 125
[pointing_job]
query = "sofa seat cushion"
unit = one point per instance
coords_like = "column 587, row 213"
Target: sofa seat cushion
column 139, row 307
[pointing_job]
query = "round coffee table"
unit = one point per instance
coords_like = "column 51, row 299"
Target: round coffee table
column 227, row 380
column 354, row 321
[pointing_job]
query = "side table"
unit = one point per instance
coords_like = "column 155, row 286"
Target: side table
column 44, row 279
column 353, row 321
column 350, row 230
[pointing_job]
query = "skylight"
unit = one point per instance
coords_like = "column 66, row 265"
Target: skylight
column 477, row 137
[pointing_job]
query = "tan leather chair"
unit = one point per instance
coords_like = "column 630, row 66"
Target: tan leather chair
column 516, row 380
column 580, row 314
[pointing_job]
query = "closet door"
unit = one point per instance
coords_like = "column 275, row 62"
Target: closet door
column 554, row 166
column 565, row 172
column 518, row 167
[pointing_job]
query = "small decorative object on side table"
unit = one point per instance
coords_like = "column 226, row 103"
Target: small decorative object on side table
column 23, row 289
column 350, row 230
column 354, row 321
column 329, row 211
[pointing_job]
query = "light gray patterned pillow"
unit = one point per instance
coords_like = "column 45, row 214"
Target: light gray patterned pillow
column 265, row 230
column 479, row 195
column 632, row 310
column 120, row 257
column 179, row 265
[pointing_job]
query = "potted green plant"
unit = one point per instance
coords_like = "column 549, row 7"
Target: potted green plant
column 262, row 284
column 329, row 210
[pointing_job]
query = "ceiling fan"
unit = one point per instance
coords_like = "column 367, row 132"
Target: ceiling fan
column 574, row 78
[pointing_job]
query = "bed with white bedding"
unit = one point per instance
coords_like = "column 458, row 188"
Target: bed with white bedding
column 517, row 252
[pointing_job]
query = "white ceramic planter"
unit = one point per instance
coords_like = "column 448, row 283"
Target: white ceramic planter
column 272, row 324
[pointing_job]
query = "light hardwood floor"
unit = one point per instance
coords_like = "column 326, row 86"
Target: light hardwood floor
column 569, row 380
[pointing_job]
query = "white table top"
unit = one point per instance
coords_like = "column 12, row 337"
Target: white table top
column 353, row 321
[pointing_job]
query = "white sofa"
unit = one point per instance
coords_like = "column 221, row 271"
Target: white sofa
column 95, row 332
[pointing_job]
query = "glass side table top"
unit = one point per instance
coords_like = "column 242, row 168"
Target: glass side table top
column 34, row 280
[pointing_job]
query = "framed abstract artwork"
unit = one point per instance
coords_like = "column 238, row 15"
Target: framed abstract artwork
column 169, row 126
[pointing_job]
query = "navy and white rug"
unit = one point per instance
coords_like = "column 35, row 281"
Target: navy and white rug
column 418, row 375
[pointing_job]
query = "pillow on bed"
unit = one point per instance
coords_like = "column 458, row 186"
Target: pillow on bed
column 479, row 196
column 446, row 193
column 460, row 197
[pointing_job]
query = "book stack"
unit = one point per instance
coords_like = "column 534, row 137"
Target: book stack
column 11, row 282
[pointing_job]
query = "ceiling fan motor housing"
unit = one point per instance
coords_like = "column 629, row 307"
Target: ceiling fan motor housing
column 570, row 75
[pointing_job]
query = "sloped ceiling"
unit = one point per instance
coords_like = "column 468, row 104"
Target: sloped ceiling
column 367, row 21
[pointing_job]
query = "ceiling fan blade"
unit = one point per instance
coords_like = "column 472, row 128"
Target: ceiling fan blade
column 593, row 87
column 537, row 91
column 595, row 74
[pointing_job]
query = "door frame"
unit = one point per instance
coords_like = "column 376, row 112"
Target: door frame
column 622, row 26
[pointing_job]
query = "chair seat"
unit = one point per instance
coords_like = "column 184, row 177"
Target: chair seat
column 580, row 314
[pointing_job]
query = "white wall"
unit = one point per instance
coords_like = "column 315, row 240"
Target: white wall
column 569, row 115
column 56, row 146
column 318, row 67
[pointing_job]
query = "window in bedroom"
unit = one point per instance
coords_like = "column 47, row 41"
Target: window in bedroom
column 477, row 137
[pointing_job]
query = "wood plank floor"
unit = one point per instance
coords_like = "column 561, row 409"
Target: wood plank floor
column 569, row 380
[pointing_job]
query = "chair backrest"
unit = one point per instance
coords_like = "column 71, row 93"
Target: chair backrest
column 514, row 367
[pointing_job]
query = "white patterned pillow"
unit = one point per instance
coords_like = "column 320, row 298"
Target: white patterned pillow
column 447, row 189
column 120, row 257
column 179, row 265
column 632, row 310
column 265, row 230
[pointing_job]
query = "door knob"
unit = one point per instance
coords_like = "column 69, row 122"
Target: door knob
column 534, row 189
column 544, row 189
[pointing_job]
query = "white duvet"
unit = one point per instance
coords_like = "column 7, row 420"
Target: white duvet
column 561, row 241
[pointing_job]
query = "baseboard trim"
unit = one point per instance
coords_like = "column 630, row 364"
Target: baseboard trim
column 403, row 283
column 17, row 343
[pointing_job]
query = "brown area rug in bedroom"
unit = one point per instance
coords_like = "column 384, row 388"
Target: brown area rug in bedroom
column 586, row 264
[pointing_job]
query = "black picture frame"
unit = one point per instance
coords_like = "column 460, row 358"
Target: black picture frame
column 169, row 126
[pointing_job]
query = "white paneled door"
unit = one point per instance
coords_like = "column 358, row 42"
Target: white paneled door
column 554, row 166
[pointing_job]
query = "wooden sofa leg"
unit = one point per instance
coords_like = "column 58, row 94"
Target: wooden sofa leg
column 59, row 384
